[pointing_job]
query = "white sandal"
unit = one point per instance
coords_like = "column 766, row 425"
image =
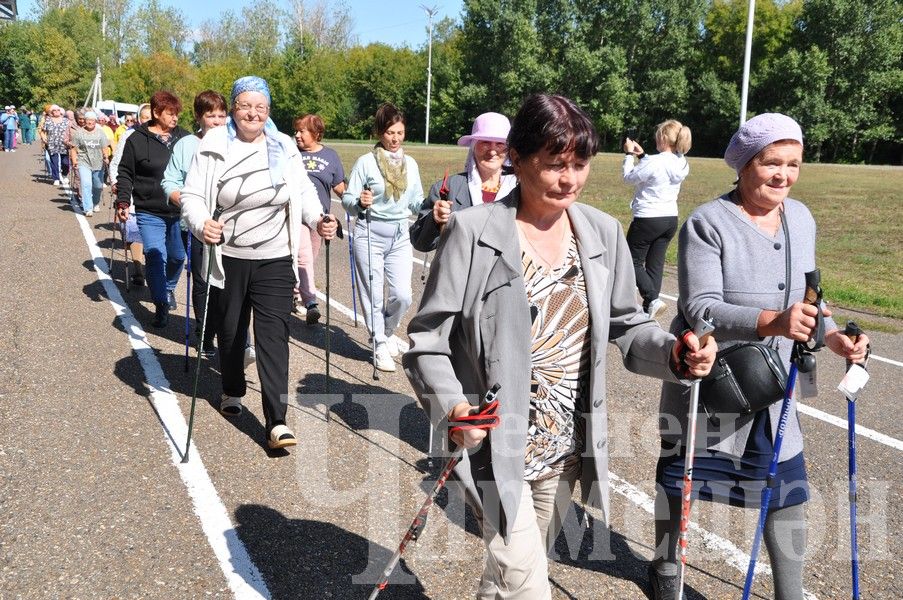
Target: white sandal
column 230, row 406
column 281, row 437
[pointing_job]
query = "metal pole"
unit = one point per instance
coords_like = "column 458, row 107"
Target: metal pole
column 429, row 71
column 747, row 55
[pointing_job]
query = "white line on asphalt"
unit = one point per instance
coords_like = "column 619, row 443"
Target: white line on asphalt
column 735, row 557
column 242, row 575
column 842, row 423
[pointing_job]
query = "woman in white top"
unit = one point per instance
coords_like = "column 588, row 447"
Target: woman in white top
column 246, row 195
column 657, row 182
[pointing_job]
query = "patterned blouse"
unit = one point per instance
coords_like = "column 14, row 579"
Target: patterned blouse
column 56, row 135
column 559, row 375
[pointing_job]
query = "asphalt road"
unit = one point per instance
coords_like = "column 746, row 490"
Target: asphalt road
column 95, row 503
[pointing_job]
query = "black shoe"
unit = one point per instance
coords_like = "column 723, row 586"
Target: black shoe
column 161, row 315
column 664, row 587
column 208, row 350
column 138, row 276
column 313, row 314
column 173, row 303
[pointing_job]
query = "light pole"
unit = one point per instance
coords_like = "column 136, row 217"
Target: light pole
column 747, row 53
column 429, row 70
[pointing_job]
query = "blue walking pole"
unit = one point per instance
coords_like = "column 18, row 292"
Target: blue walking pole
column 801, row 360
column 351, row 264
column 772, row 473
column 187, row 297
column 853, row 331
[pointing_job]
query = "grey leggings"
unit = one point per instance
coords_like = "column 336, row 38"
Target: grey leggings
column 785, row 540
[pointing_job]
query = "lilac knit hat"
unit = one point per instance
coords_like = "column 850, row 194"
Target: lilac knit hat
column 757, row 133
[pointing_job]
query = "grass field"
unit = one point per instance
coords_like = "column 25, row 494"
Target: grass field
column 857, row 209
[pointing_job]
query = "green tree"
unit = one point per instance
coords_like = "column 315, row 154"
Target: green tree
column 155, row 30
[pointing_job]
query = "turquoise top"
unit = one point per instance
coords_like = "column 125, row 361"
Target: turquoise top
column 177, row 169
column 366, row 171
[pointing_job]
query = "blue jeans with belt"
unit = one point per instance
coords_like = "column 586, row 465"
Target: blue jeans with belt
column 90, row 186
column 164, row 254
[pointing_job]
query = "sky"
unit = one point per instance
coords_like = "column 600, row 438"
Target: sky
column 393, row 22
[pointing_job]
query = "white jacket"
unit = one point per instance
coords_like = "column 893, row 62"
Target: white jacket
column 198, row 197
column 657, row 179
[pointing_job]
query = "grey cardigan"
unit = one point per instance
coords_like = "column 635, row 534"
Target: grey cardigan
column 728, row 265
column 473, row 330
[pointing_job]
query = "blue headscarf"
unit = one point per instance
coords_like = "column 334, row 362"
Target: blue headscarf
column 277, row 152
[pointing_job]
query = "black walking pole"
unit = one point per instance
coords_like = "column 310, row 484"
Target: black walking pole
column 188, row 299
column 326, row 219
column 197, row 371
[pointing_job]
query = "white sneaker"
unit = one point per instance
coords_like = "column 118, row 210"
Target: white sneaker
column 392, row 345
column 89, row 214
column 384, row 360
column 250, row 356
column 65, row 181
column 655, row 307
column 56, row 182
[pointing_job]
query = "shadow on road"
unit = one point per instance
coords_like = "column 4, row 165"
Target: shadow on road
column 299, row 558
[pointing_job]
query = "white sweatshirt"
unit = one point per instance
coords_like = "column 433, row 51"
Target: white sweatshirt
column 657, row 179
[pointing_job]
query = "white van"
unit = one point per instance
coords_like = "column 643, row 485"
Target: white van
column 120, row 109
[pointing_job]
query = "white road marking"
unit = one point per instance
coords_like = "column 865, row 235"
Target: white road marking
column 242, row 575
column 842, row 423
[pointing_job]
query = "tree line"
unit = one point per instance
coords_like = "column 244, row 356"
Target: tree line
column 834, row 65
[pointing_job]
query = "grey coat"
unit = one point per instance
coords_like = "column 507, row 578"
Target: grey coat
column 728, row 265
column 473, row 330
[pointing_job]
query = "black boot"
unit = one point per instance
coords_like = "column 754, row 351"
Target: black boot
column 161, row 315
column 138, row 275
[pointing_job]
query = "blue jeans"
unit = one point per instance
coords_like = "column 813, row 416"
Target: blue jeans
column 59, row 165
column 9, row 138
column 90, row 185
column 164, row 254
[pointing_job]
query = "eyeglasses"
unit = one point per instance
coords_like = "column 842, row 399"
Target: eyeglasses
column 246, row 106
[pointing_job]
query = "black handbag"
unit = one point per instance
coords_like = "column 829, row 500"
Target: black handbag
column 749, row 376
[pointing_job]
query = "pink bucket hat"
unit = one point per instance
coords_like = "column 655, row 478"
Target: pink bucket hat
column 488, row 127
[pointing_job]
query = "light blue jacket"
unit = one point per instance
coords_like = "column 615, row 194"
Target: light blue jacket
column 365, row 171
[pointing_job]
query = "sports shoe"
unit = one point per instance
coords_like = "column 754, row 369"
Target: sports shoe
column 250, row 356
column 297, row 305
column 208, row 350
column 171, row 299
column 281, row 437
column 655, row 307
column 65, row 181
column 392, row 345
column 57, row 183
column 384, row 360
column 664, row 587
column 89, row 214
column 313, row 314
column 138, row 275
column 161, row 315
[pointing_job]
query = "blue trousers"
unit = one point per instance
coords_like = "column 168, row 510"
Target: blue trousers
column 164, row 254
column 90, row 186
column 59, row 165
column 9, row 139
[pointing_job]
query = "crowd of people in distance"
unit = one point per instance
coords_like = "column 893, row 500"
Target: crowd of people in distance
column 527, row 287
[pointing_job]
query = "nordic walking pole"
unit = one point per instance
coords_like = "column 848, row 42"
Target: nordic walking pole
column 351, row 264
column 326, row 219
column 188, row 298
column 801, row 360
column 703, row 329
column 370, row 277
column 853, row 331
column 197, row 370
column 486, row 419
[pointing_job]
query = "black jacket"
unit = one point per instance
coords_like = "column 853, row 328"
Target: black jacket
column 144, row 160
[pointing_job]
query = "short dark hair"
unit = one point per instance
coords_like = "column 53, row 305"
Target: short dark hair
column 312, row 123
column 387, row 115
column 554, row 123
column 163, row 100
column 207, row 101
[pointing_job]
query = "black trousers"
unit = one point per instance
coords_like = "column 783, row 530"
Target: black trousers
column 648, row 239
column 199, row 288
column 264, row 286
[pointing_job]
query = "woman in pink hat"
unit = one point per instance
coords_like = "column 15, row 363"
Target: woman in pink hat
column 483, row 180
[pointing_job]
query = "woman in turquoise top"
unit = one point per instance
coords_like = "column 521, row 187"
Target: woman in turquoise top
column 385, row 182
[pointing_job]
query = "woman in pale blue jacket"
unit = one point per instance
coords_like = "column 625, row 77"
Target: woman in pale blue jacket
column 385, row 182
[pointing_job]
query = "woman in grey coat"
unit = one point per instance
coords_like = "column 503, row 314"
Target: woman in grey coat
column 526, row 292
column 732, row 256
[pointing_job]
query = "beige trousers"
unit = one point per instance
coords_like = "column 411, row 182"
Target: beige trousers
column 519, row 570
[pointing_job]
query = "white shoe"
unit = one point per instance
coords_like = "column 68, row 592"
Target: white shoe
column 250, row 356
column 65, row 181
column 384, row 360
column 89, row 214
column 56, row 182
column 392, row 345
column 655, row 307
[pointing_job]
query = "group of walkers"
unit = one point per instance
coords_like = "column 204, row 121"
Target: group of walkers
column 527, row 286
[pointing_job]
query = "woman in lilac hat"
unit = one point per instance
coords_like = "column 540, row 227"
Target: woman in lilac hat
column 483, row 180
column 732, row 257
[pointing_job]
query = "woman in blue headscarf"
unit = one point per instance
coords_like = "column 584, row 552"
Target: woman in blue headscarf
column 246, row 195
